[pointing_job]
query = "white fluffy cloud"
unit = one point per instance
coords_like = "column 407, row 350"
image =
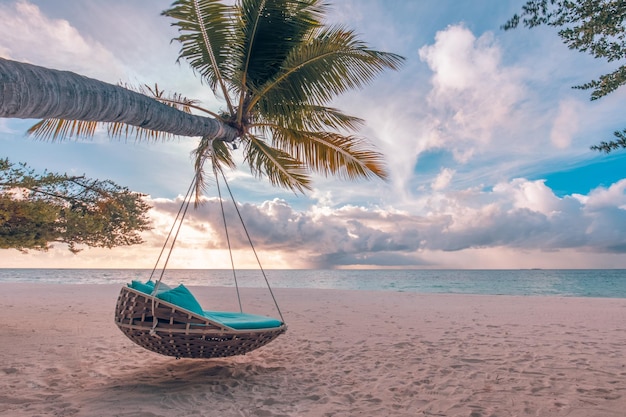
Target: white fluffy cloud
column 468, row 104
column 443, row 179
column 531, row 195
column 519, row 214
column 473, row 93
column 28, row 35
column 566, row 124
column 613, row 196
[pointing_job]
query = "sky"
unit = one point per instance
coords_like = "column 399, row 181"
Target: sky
column 486, row 143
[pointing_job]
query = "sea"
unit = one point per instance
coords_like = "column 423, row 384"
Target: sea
column 609, row 283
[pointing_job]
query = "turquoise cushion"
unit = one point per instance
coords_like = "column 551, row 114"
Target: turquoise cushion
column 162, row 286
column 181, row 297
column 242, row 321
column 148, row 287
column 140, row 286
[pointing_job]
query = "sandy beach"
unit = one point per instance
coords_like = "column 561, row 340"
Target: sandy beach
column 346, row 353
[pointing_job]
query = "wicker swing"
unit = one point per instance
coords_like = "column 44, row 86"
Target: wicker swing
column 154, row 322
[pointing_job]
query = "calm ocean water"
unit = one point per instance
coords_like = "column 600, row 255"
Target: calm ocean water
column 572, row 283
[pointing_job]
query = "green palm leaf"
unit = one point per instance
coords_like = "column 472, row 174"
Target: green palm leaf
column 217, row 153
column 328, row 153
column 278, row 67
column 59, row 129
column 270, row 30
column 333, row 62
column 285, row 66
column 207, row 40
column 279, row 167
column 309, row 117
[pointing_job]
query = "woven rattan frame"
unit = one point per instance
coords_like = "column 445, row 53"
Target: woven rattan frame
column 182, row 333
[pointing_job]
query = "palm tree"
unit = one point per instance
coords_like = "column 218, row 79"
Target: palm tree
column 32, row 92
column 276, row 66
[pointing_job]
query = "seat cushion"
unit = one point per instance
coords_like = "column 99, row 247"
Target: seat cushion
column 242, row 321
column 148, row 287
column 143, row 287
column 183, row 298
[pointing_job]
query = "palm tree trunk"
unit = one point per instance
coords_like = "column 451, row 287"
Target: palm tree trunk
column 32, row 92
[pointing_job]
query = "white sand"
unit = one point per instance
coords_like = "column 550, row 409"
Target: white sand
column 346, row 353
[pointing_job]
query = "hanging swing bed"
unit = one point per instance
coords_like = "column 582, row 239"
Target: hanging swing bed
column 170, row 321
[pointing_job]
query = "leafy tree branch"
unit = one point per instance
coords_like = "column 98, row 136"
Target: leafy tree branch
column 595, row 27
column 37, row 210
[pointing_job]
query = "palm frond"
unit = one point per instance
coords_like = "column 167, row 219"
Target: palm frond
column 330, row 153
column 217, row 153
column 280, row 168
column 200, row 156
column 206, row 38
column 309, row 117
column 59, row 129
column 331, row 63
column 175, row 100
column 125, row 131
column 221, row 155
column 270, row 30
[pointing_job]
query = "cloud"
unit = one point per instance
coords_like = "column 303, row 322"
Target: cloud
column 519, row 214
column 613, row 196
column 473, row 93
column 566, row 123
column 26, row 34
column 443, row 179
column 467, row 103
column 531, row 195
column 488, row 115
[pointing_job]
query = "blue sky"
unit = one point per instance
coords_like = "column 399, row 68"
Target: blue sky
column 486, row 142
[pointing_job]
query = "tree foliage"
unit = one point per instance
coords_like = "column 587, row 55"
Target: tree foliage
column 591, row 26
column 37, row 210
column 277, row 66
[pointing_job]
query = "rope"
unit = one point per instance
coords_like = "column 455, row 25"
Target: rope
column 169, row 254
column 179, row 219
column 182, row 211
column 253, row 249
column 230, row 252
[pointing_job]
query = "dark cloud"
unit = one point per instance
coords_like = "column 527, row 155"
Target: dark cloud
column 381, row 259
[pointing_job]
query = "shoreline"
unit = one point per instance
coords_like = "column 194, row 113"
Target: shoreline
column 570, row 283
column 347, row 352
